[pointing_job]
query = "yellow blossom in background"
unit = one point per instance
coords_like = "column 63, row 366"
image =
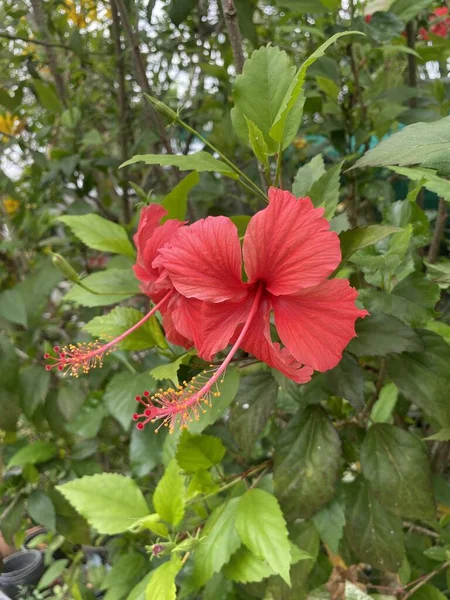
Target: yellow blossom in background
column 80, row 12
column 10, row 126
column 300, row 143
column 11, row 205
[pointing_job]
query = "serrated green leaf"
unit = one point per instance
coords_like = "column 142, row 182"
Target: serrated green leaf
column 169, row 496
column 119, row 320
column 170, row 370
column 176, row 201
column 425, row 144
column 245, row 567
column 110, row 502
column 257, row 143
column 399, row 471
column 307, row 462
column 374, row 534
column 162, row 582
column 295, row 90
column 347, row 381
column 424, row 377
column 361, row 237
column 220, row 541
column 33, row 454
column 195, row 452
column 387, row 260
column 99, row 233
column 198, row 161
column 111, row 286
column 325, row 191
column 307, row 175
column 262, row 529
column 428, row 177
column 379, row 334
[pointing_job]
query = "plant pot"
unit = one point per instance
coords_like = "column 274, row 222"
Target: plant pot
column 21, row 568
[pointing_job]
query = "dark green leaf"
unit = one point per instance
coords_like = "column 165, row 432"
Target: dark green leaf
column 12, row 307
column 380, row 334
column 176, row 201
column 329, row 522
column 33, row 386
column 41, row 509
column 47, row 96
column 199, row 161
column 361, row 237
column 347, row 381
column 145, row 451
column 33, row 454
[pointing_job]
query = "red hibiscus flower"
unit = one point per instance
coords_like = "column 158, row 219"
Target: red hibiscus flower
column 180, row 315
column 288, row 254
column 439, row 23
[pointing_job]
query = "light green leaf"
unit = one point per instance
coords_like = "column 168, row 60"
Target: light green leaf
column 407, row 10
column 374, row 534
column 262, row 529
column 258, row 93
column 170, row 370
column 227, row 387
column 199, row 161
column 110, row 502
column 388, row 259
column 111, row 286
column 424, row 377
column 399, row 471
column 121, row 392
column 257, row 143
column 245, row 567
column 169, row 496
column 430, row 180
column 425, row 144
column 195, row 452
column 307, row 462
column 54, row 571
column 412, row 300
column 176, row 201
column 162, row 582
column 441, row 436
column 295, row 90
column 120, row 319
column 220, row 541
column 12, row 307
column 41, row 509
column 33, row 454
column 428, row 592
column 329, row 522
column 361, row 237
column 383, row 408
column 325, row 191
column 151, row 522
column 124, row 570
column 47, row 96
column 100, row 234
column 379, row 334
column 307, row 175
column 303, row 6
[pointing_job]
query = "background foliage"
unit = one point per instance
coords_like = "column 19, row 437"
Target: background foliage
column 335, row 489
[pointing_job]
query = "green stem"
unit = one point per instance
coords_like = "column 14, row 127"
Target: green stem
column 279, row 163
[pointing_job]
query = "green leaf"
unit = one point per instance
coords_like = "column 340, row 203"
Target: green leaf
column 347, row 381
column 257, row 143
column 426, row 144
column 295, row 90
column 307, row 175
column 100, row 234
column 255, row 400
column 307, row 462
column 170, row 370
column 387, row 260
column 325, row 191
column 55, row 570
column 374, row 534
column 12, row 307
column 124, row 570
column 258, row 94
column 262, row 529
column 361, row 237
column 398, row 468
column 441, row 436
column 162, row 582
column 428, row 592
column 120, row 319
column 33, row 386
column 195, row 452
column 176, row 201
column 110, row 502
column 198, row 161
column 379, row 334
column 428, row 177
column 303, row 6
column 406, row 10
column 151, row 522
column 412, row 300
column 383, row 408
column 424, row 377
column 145, row 451
column 111, row 286
column 227, row 387
column 121, row 392
column 70, row 400
column 41, row 509
column 330, row 522
column 33, row 454
column 169, row 496
column 220, row 542
column 47, row 96
column 245, row 567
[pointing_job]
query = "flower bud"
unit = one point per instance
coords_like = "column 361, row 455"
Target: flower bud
column 162, row 108
column 61, row 263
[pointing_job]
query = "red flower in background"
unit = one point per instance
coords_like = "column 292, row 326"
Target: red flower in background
column 288, row 254
column 439, row 24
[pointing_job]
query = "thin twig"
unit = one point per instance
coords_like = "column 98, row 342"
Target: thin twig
column 439, row 228
column 425, row 579
column 420, row 529
column 232, row 23
column 15, row 38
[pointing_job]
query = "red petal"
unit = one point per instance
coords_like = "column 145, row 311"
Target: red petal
column 173, row 335
column 259, row 343
column 186, row 317
column 289, row 245
column 204, row 261
column 149, row 220
column 318, row 323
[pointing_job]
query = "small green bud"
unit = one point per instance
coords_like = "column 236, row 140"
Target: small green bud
column 162, row 108
column 61, row 263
